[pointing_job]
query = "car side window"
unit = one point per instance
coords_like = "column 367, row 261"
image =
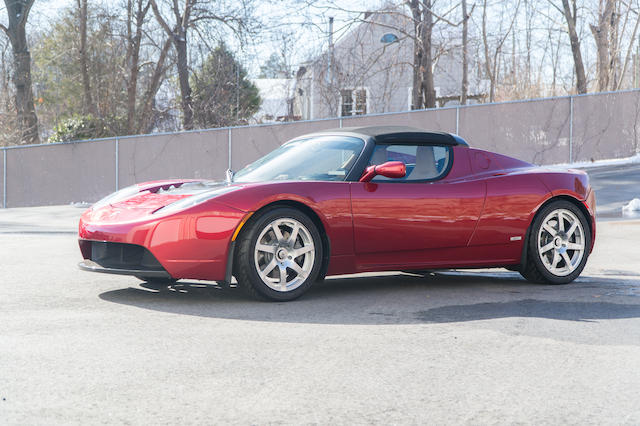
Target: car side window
column 424, row 162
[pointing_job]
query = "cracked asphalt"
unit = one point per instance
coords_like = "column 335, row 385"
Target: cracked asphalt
column 470, row 347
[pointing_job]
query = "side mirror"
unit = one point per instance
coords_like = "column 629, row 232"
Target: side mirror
column 390, row 169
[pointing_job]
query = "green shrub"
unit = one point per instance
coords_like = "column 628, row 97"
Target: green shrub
column 82, row 127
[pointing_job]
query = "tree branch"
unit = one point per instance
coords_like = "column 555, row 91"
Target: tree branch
column 6, row 30
column 160, row 19
column 25, row 13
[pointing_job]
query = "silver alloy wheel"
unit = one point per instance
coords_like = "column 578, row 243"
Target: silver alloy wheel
column 561, row 242
column 284, row 254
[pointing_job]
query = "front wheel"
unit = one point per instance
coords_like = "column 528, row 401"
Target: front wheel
column 559, row 244
column 279, row 256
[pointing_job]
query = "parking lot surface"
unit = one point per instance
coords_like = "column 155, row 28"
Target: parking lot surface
column 469, row 347
column 615, row 186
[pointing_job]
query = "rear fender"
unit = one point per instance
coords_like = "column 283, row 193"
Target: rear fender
column 574, row 183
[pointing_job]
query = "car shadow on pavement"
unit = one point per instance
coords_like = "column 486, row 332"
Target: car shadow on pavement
column 443, row 297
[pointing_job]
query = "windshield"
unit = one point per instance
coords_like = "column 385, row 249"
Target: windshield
column 323, row 158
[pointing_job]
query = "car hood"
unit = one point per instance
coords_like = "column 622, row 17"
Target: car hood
column 141, row 201
column 154, row 195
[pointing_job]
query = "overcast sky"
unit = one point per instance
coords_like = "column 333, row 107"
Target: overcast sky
column 311, row 38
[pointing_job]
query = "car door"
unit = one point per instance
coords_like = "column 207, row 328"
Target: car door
column 406, row 221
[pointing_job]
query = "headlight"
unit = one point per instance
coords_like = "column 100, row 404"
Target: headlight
column 117, row 196
column 187, row 202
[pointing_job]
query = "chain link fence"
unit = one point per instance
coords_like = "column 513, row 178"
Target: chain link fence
column 541, row 131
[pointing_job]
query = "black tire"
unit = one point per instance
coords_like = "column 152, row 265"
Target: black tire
column 245, row 268
column 534, row 270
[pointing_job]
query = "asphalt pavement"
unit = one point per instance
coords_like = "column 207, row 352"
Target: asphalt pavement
column 451, row 347
column 615, row 186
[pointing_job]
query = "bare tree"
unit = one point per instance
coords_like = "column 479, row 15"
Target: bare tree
column 465, row 54
column 554, row 55
column 4, row 81
column 529, row 12
column 570, row 13
column 89, row 107
column 628, row 54
column 178, row 34
column 423, row 92
column 136, row 13
column 125, row 57
column 492, row 60
column 7, row 114
column 144, row 123
column 139, row 108
column 18, row 13
column 189, row 16
column 602, row 33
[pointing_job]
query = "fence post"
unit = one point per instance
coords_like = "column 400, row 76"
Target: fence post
column 4, row 178
column 570, row 128
column 341, row 122
column 458, row 120
column 117, row 164
column 229, row 148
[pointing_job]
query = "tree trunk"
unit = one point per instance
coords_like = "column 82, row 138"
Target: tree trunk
column 465, row 54
column 180, row 43
column 514, row 74
column 628, row 56
column 27, row 119
column 570, row 16
column 5, row 78
column 423, row 93
column 86, row 83
column 487, row 59
column 427, row 69
column 145, row 118
column 179, row 37
column 18, row 13
column 416, row 91
column 528, row 31
column 133, row 55
column 601, row 34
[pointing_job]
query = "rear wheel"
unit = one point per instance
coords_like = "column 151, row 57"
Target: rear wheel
column 279, row 256
column 558, row 244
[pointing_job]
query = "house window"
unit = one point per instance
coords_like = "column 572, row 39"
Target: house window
column 353, row 102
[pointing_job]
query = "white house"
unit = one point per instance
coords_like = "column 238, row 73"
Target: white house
column 369, row 70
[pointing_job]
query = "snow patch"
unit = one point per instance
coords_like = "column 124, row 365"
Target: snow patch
column 598, row 163
column 81, row 204
column 633, row 206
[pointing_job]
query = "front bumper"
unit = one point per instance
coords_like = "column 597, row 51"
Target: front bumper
column 192, row 244
column 121, row 259
column 91, row 266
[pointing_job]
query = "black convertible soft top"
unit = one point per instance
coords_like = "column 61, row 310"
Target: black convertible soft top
column 402, row 134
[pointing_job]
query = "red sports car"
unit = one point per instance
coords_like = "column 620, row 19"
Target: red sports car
column 346, row 201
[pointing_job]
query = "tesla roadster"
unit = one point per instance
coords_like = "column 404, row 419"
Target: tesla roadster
column 346, row 201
